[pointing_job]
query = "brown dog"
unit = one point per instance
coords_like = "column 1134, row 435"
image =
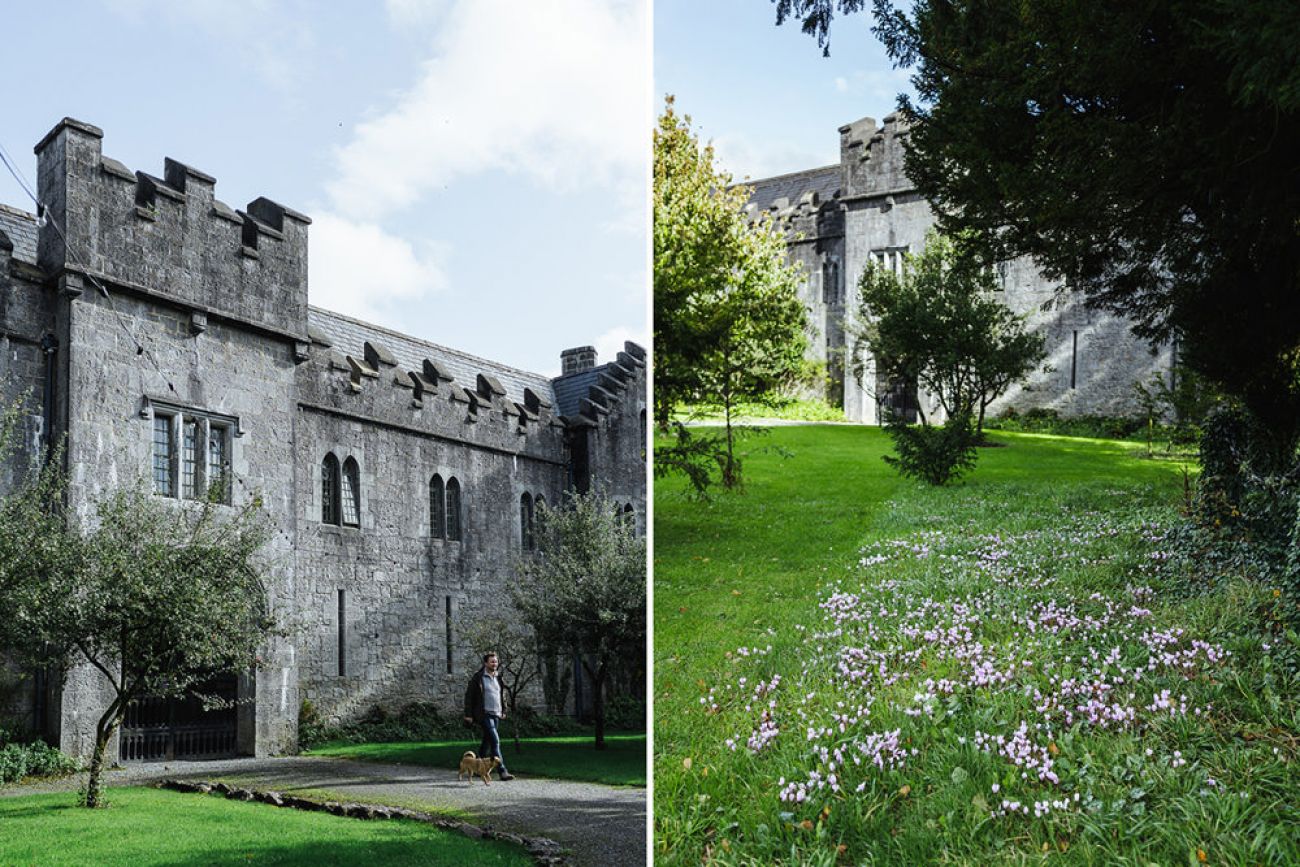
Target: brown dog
column 471, row 765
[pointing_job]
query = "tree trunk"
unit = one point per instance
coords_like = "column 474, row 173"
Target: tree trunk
column 514, row 717
column 598, row 700
column 104, row 729
column 728, row 468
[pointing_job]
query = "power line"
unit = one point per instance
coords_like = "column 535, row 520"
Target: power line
column 43, row 217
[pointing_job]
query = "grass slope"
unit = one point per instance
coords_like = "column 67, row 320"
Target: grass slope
column 567, row 757
column 149, row 826
column 852, row 668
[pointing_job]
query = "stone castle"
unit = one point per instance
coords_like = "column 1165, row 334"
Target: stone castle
column 841, row 217
column 401, row 475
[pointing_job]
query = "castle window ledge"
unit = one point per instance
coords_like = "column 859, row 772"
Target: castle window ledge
column 342, row 530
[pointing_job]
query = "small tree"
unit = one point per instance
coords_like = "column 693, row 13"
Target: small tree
column 518, row 659
column 939, row 326
column 157, row 596
column 729, row 325
column 584, row 587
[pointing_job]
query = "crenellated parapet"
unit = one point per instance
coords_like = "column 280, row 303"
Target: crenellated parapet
column 426, row 389
column 872, row 158
column 803, row 206
column 170, row 236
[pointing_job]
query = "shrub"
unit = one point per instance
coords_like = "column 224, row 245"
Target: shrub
column 625, row 712
column 936, row 455
column 418, row 721
column 1049, row 421
column 36, row 759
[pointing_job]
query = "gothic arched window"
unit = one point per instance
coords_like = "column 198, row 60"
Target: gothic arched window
column 329, row 490
column 526, row 521
column 437, row 508
column 350, row 494
column 453, row 511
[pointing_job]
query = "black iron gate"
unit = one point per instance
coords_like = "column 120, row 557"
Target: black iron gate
column 163, row 729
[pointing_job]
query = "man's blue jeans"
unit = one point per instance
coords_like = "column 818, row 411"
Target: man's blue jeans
column 491, row 745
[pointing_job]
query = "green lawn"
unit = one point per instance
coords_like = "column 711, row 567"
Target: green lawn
column 854, row 668
column 150, row 826
column 563, row 757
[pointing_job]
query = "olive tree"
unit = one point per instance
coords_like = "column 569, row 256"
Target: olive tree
column 584, row 587
column 156, row 595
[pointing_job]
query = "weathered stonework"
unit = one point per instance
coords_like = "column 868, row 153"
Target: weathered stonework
column 839, row 218
column 206, row 314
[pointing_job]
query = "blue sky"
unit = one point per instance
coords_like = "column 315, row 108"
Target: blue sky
column 476, row 170
column 765, row 95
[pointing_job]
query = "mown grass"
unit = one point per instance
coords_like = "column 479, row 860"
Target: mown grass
column 154, row 827
column 802, row 409
column 562, row 757
column 878, row 597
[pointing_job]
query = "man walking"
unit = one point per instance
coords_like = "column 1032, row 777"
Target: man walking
column 485, row 705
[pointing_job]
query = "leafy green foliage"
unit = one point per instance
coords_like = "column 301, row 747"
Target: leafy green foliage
column 155, row 595
column 1144, row 152
column 933, row 454
column 35, row 759
column 585, row 588
column 939, row 326
column 729, row 325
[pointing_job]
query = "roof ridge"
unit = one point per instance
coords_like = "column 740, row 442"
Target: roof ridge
column 788, row 175
column 460, row 353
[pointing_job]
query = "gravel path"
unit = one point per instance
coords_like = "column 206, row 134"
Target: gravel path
column 602, row 825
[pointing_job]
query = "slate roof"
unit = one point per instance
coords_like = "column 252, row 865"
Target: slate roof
column 571, row 388
column 20, row 226
column 348, row 336
column 825, row 181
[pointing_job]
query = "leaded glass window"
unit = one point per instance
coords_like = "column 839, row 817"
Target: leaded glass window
column 526, row 521
column 437, row 508
column 191, row 484
column 329, row 490
column 453, row 510
column 219, row 462
column 163, row 481
column 350, row 494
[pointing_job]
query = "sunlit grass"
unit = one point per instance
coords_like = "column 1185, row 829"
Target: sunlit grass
column 154, row 827
column 1044, row 521
column 563, row 757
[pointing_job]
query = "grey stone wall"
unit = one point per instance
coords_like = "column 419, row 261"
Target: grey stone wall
column 396, row 578
column 1093, row 359
column 206, row 313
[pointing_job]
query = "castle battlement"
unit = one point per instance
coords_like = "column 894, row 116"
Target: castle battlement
column 170, row 235
column 872, row 157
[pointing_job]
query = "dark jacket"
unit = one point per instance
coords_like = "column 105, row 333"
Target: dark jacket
column 474, row 696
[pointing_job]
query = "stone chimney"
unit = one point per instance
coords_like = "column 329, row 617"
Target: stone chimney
column 577, row 359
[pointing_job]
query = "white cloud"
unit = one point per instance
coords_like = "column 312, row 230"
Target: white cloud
column 841, row 83
column 556, row 91
column 359, row 269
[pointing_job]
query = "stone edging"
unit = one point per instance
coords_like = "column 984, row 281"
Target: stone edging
column 545, row 852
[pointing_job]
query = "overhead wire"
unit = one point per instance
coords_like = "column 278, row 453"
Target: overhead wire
column 44, row 217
